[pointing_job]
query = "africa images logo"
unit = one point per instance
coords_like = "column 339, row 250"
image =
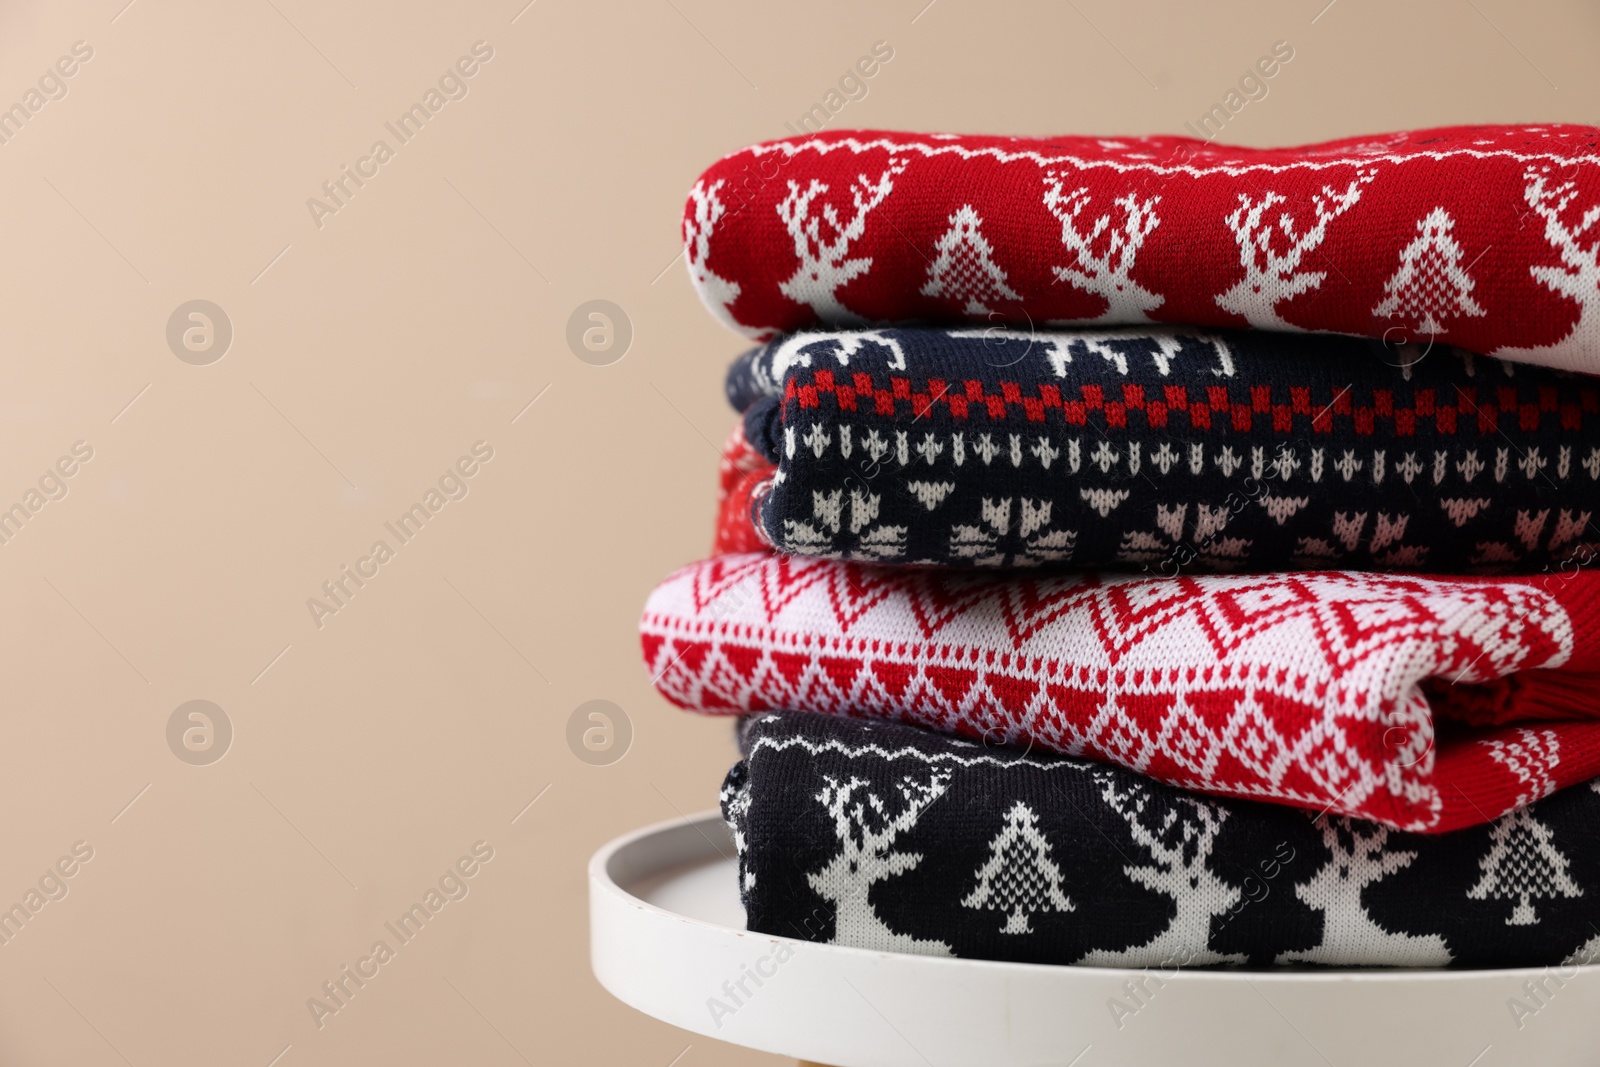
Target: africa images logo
column 452, row 885
column 453, row 484
column 452, row 85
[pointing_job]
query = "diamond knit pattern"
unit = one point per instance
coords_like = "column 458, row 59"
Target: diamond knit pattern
column 1337, row 691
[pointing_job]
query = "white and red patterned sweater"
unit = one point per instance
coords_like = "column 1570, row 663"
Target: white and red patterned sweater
column 1335, row 691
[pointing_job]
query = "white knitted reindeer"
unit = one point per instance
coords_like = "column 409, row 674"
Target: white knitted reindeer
column 1105, row 273
column 1577, row 278
column 866, row 826
column 1272, row 276
column 823, row 264
column 1359, row 856
column 707, row 210
column 1178, row 835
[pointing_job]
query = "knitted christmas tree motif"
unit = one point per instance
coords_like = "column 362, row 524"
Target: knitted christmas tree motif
column 965, row 270
column 1430, row 285
column 1019, row 879
column 1523, row 865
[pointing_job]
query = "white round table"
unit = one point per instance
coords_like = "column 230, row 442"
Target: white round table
column 667, row 937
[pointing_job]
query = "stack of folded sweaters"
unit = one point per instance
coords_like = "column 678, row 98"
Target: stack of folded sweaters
column 1124, row 558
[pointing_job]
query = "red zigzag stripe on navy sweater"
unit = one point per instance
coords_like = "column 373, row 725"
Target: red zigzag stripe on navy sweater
column 1162, row 449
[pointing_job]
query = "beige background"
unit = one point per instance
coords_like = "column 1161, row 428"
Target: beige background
column 371, row 352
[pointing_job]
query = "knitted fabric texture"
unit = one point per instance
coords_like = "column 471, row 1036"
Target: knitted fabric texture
column 741, row 471
column 1164, row 448
column 1487, row 237
column 889, row 838
column 1319, row 690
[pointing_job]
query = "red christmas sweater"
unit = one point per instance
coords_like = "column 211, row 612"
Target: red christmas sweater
column 1486, row 237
